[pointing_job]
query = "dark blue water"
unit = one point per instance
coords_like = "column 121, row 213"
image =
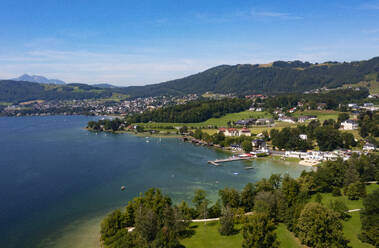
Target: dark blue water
column 57, row 180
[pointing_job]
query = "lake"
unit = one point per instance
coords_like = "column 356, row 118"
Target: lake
column 57, row 180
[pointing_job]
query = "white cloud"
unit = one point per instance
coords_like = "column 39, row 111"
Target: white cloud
column 273, row 14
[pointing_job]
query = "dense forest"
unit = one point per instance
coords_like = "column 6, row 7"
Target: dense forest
column 279, row 77
column 297, row 203
column 196, row 111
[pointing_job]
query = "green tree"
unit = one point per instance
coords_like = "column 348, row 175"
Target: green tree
column 247, row 197
column 339, row 206
column 112, row 224
column 319, row 227
column 259, row 231
column 343, row 117
column 227, row 222
column 356, row 190
column 229, row 197
column 199, row 199
column 370, row 219
column 247, row 146
column 318, row 198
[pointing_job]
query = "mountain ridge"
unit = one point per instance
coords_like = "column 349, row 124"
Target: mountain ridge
column 38, row 79
column 241, row 79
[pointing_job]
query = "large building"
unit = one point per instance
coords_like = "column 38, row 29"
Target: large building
column 349, row 125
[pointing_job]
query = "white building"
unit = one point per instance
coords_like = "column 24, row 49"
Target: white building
column 303, row 136
column 369, row 147
column 349, row 125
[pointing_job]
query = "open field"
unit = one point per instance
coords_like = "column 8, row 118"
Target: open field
column 321, row 114
column 219, row 122
column 208, row 236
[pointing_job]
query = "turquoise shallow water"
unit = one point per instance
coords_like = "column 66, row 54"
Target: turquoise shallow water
column 57, row 180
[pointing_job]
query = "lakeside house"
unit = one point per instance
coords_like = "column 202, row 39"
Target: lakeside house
column 245, row 132
column 259, row 144
column 349, row 125
column 312, row 155
column 234, row 132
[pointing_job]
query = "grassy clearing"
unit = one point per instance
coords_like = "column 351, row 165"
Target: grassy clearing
column 205, row 236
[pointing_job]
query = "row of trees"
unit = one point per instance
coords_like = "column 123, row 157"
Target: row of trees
column 106, row 125
column 259, row 207
column 196, row 111
column 369, row 126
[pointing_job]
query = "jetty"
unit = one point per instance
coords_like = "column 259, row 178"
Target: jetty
column 230, row 159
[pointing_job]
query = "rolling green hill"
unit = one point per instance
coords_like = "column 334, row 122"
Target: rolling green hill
column 278, row 77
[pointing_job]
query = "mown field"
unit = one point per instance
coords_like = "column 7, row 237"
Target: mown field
column 207, row 235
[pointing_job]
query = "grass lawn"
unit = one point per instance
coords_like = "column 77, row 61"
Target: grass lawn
column 352, row 226
column 351, row 229
column 327, row 197
column 208, row 236
column 321, row 114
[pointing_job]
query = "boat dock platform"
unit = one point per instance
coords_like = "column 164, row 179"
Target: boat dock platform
column 230, row 159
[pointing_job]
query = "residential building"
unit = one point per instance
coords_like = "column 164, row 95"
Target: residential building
column 349, row 125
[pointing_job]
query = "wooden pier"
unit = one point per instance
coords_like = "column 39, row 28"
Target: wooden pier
column 230, row 159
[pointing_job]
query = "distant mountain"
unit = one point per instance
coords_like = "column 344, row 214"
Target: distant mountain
column 105, row 86
column 38, row 79
column 19, row 91
column 275, row 78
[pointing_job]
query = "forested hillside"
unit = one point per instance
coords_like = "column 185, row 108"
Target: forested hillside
column 14, row 91
column 280, row 77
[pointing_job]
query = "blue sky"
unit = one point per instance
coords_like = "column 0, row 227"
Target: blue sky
column 141, row 42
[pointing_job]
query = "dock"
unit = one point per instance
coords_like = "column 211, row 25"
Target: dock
column 230, row 159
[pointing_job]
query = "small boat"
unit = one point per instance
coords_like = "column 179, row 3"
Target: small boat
column 249, row 168
column 123, row 188
column 235, row 173
column 147, row 141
